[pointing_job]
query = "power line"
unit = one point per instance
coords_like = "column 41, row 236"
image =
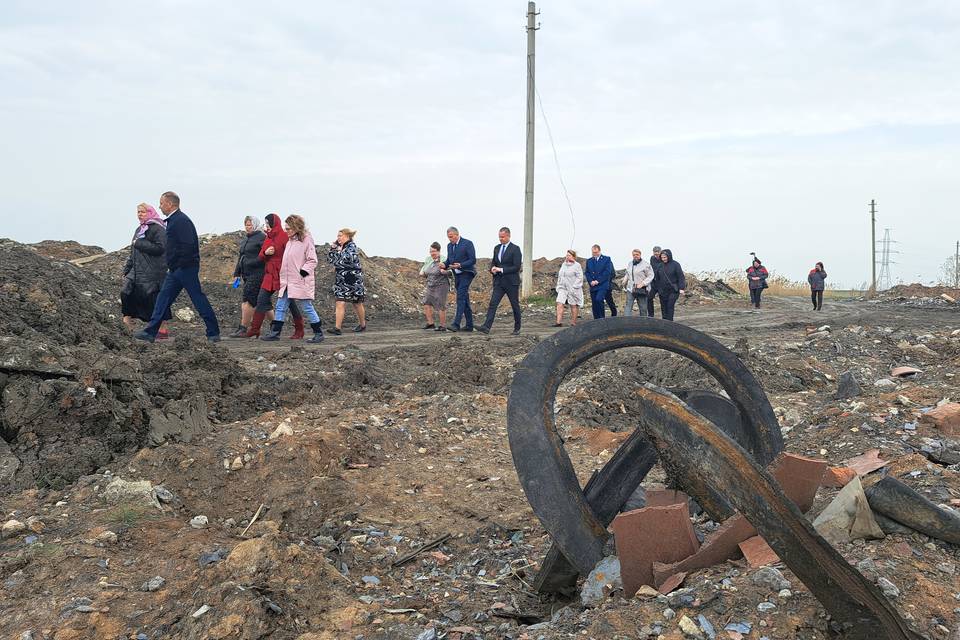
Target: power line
column 885, row 262
column 556, row 161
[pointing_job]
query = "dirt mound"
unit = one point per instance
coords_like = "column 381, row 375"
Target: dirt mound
column 917, row 290
column 65, row 249
column 54, row 300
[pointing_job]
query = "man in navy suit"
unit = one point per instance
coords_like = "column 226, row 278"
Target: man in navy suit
column 505, row 268
column 462, row 258
column 599, row 273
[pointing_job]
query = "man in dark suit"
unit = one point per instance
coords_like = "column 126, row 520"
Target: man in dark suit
column 599, row 273
column 462, row 258
column 505, row 268
column 183, row 271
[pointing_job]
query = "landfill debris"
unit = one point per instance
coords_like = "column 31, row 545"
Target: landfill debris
column 848, row 517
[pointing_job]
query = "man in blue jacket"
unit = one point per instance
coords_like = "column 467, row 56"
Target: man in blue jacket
column 505, row 267
column 599, row 273
column 183, row 271
column 462, row 258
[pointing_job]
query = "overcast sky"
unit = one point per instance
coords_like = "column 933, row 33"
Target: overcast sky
column 712, row 128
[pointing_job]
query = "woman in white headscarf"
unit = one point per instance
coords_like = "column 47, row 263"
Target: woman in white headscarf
column 249, row 271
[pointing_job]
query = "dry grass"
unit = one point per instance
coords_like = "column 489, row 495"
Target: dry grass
column 777, row 285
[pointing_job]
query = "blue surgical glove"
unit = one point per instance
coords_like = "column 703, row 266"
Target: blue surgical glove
column 236, row 283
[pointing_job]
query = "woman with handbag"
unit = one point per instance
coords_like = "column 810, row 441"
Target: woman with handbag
column 145, row 269
column 757, row 280
column 636, row 281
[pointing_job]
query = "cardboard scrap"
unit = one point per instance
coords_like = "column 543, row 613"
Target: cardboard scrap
column 848, row 517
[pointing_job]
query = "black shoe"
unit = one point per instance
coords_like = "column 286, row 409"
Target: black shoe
column 468, row 329
column 483, row 329
column 453, row 328
column 360, row 328
column 213, row 338
column 427, row 326
column 558, row 324
column 143, row 335
column 317, row 332
column 516, row 332
column 241, row 332
column 276, row 328
column 440, row 328
column 335, row 332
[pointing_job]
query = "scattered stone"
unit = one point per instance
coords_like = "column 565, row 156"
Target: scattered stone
column 945, row 418
column 770, row 578
column 884, row 383
column 904, row 372
column 121, row 491
column 669, row 614
column 185, row 314
column 429, row 634
column 199, row 522
column 690, row 628
column 888, row 588
column 202, row 610
column 11, row 528
column 604, row 579
column 373, row 580
column 107, row 537
column 153, row 584
column 743, row 628
column 947, row 567
column 283, row 430
column 35, row 524
column 765, row 607
column 847, row 386
column 163, row 494
column 785, row 593
column 706, row 626
column 212, row 557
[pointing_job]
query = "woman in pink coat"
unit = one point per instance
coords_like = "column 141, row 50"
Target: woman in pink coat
column 296, row 279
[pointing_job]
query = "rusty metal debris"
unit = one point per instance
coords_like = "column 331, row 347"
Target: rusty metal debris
column 687, row 442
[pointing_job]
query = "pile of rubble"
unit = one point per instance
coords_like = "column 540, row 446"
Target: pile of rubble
column 918, row 295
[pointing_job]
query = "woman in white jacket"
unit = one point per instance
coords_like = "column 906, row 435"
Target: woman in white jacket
column 569, row 288
column 636, row 283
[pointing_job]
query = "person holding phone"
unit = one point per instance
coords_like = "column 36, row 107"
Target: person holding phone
column 348, row 280
column 818, row 281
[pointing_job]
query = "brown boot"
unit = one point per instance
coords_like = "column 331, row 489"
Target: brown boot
column 297, row 329
column 254, row 330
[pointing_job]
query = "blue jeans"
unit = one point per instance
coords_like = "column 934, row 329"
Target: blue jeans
column 462, row 281
column 176, row 281
column 597, row 299
column 641, row 301
column 283, row 302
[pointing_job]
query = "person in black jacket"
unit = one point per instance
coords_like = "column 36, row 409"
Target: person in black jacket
column 655, row 264
column 183, row 271
column 505, row 268
column 145, row 269
column 249, row 272
column 669, row 282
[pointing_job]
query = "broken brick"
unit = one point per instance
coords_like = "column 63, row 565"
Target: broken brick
column 838, row 477
column 758, row 553
column 671, row 583
column 945, row 418
column 867, row 462
column 799, row 478
column 648, row 535
column 665, row 497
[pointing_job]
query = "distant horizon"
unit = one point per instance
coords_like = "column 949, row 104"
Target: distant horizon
column 721, row 274
column 714, row 130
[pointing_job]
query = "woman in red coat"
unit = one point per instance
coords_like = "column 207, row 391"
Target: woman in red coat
column 271, row 253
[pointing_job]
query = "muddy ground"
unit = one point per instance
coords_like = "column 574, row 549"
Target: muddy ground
column 316, row 468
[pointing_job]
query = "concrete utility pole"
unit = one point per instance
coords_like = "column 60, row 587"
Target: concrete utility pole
column 873, row 247
column 526, row 280
column 956, row 267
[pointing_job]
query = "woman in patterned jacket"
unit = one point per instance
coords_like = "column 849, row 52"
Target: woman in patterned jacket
column 348, row 283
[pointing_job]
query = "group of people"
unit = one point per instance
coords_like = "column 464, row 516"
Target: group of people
column 642, row 282
column 277, row 261
column 460, row 263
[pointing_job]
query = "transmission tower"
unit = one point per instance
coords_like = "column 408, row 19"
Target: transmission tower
column 883, row 281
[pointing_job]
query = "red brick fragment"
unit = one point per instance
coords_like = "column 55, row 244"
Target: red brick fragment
column 867, row 462
column 799, row 478
column 665, row 497
column 838, row 477
column 648, row 535
column 757, row 552
column 946, row 418
column 671, row 583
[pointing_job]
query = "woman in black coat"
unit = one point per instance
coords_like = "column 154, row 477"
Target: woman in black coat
column 249, row 272
column 145, row 269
